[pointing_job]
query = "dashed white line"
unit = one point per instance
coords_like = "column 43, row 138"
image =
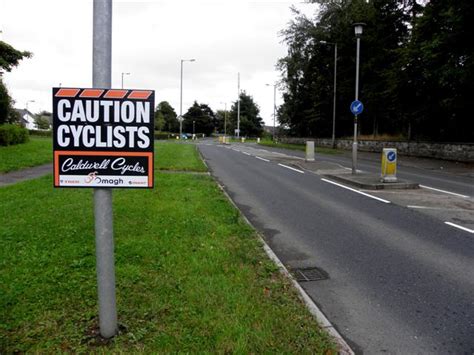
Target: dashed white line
column 262, row 159
column 446, row 192
column 357, row 191
column 246, row 153
column 289, row 167
column 460, row 227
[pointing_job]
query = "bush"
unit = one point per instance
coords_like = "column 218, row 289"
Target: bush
column 34, row 132
column 161, row 135
column 11, row 134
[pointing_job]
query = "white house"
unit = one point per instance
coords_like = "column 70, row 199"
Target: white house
column 27, row 119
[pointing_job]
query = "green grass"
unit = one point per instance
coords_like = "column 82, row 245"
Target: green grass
column 191, row 275
column 37, row 151
column 302, row 147
column 178, row 156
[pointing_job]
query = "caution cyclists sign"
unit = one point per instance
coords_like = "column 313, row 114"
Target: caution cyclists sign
column 103, row 137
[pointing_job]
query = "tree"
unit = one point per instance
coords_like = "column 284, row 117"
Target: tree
column 165, row 117
column 251, row 124
column 43, row 120
column 9, row 58
column 201, row 117
column 307, row 70
column 440, row 68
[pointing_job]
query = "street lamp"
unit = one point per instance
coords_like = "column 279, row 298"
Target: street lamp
column 334, row 93
column 274, row 106
column 358, row 29
column 194, row 122
column 122, row 77
column 181, row 97
column 27, row 102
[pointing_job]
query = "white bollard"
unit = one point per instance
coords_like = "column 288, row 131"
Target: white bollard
column 258, row 140
column 310, row 151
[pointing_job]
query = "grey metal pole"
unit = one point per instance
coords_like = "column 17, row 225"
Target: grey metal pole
column 238, row 105
column 354, row 144
column 225, row 120
column 274, row 109
column 334, row 99
column 104, row 232
column 181, row 103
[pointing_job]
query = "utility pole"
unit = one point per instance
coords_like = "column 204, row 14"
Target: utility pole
column 181, row 98
column 103, row 213
column 238, row 105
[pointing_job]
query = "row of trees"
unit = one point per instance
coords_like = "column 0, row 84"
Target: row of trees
column 417, row 69
column 9, row 58
column 200, row 118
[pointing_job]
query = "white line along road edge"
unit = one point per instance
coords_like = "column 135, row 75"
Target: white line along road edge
column 262, row 159
column 460, row 227
column 357, row 191
column 446, row 192
column 289, row 167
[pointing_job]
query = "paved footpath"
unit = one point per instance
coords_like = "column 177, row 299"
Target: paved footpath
column 25, row 174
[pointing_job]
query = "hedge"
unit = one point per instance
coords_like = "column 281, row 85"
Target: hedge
column 11, row 134
column 42, row 133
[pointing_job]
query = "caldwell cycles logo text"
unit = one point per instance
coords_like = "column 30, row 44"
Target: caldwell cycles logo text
column 103, row 137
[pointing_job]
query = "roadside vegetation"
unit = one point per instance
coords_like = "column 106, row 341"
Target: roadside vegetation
column 302, row 147
column 191, row 275
column 36, row 151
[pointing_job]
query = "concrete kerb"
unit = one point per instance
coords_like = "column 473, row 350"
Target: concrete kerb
column 372, row 182
column 344, row 348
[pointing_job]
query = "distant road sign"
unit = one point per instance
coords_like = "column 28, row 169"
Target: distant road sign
column 357, row 107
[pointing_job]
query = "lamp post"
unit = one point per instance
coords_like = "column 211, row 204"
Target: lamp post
column 27, row 102
column 122, row 77
column 194, row 126
column 334, row 93
column 358, row 29
column 274, row 106
column 181, row 97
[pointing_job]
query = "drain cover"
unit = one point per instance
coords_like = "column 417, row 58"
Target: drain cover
column 309, row 274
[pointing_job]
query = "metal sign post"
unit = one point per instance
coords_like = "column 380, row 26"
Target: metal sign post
column 103, row 213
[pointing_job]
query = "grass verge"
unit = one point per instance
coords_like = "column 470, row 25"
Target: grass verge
column 302, row 147
column 191, row 275
column 36, row 151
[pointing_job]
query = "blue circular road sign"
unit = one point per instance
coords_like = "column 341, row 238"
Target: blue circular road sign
column 357, row 107
column 391, row 156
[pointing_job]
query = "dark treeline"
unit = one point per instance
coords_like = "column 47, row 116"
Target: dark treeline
column 416, row 73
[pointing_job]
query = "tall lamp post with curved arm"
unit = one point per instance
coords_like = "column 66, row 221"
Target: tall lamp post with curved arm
column 181, row 97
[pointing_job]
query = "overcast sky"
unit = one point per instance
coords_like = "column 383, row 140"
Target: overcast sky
column 149, row 40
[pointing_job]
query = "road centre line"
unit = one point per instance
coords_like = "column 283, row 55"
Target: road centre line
column 446, row 192
column 262, row 159
column 289, row 167
column 357, row 191
column 246, row 153
column 460, row 227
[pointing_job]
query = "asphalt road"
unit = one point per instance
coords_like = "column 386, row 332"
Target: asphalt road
column 399, row 281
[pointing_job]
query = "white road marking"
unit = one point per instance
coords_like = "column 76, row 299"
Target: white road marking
column 289, row 167
column 446, row 192
column 437, row 208
column 357, row 191
column 246, row 153
column 262, row 159
column 460, row 227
